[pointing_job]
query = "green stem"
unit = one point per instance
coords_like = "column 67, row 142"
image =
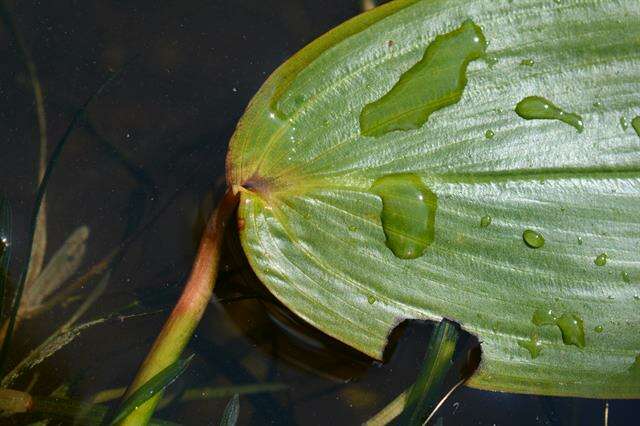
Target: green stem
column 186, row 315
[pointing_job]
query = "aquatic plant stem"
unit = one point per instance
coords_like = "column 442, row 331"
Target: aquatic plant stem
column 186, row 315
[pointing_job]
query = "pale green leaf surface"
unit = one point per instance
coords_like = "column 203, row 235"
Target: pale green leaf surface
column 311, row 225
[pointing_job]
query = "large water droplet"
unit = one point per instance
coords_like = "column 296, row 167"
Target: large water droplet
column 485, row 221
column 601, row 259
column 408, row 214
column 489, row 134
column 572, row 328
column 533, row 239
column 532, row 345
column 635, row 123
column 536, row 107
column 435, row 82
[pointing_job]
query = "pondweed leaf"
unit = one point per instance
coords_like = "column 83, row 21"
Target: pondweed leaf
column 401, row 94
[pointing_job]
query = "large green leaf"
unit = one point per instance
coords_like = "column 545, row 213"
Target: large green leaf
column 311, row 205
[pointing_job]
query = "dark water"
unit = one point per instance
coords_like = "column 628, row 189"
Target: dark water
column 151, row 150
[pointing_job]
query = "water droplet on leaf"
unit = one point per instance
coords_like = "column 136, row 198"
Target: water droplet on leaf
column 485, row 221
column 371, row 299
column 435, row 82
column 408, row 214
column 489, row 134
column 533, row 239
column 601, row 259
column 635, row 123
column 598, row 329
column 625, row 277
column 544, row 316
column 572, row 328
column 624, row 123
column 539, row 108
column 532, row 345
column 527, row 62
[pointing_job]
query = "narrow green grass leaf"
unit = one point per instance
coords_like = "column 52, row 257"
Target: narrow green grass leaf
column 437, row 362
column 155, row 385
column 231, row 412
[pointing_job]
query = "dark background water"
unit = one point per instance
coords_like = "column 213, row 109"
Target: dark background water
column 151, row 148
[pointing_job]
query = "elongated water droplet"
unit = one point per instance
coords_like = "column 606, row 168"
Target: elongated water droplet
column 635, row 366
column 572, row 328
column 408, row 214
column 533, row 239
column 527, row 62
column 435, row 82
column 489, row 134
column 598, row 329
column 485, row 221
column 635, row 123
column 601, row 259
column 532, row 345
column 544, row 316
column 539, row 108
column 624, row 123
column 625, row 277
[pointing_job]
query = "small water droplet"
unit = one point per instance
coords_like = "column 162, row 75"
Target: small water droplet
column 408, row 214
column 533, row 239
column 598, row 329
column 491, row 60
column 489, row 134
column 485, row 221
column 234, row 90
column 625, row 277
column 601, row 259
column 527, row 62
column 572, row 328
column 544, row 316
column 539, row 108
column 597, row 104
column 579, row 241
column 532, row 345
column 636, row 297
column 635, row 123
column 624, row 123
column 353, row 228
column 371, row 299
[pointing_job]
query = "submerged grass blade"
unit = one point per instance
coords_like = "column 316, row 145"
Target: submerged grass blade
column 231, row 412
column 437, row 362
column 39, row 244
column 5, row 247
column 64, row 263
column 53, row 160
column 154, row 386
